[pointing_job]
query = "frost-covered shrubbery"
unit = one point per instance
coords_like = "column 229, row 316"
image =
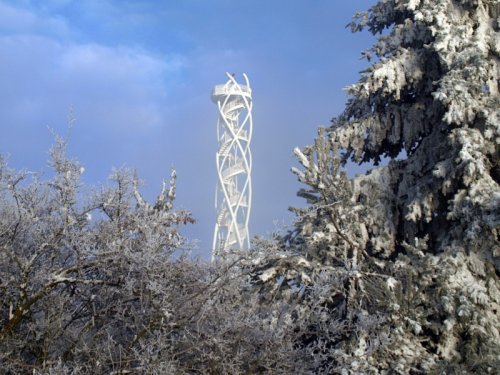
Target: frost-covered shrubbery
column 97, row 282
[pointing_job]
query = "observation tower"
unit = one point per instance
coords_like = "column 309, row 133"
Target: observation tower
column 233, row 194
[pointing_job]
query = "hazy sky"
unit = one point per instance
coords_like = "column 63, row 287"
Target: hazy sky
column 138, row 75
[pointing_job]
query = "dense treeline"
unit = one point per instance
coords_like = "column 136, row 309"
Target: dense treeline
column 394, row 271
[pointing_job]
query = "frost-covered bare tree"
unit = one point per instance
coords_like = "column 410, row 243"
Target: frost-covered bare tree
column 76, row 289
column 97, row 281
column 404, row 260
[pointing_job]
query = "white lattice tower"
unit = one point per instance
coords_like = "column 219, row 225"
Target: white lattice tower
column 233, row 195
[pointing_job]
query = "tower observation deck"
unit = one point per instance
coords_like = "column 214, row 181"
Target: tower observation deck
column 233, row 194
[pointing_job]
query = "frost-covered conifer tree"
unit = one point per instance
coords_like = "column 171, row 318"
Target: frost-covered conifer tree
column 411, row 248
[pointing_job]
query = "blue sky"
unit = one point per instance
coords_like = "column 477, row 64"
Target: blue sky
column 138, row 75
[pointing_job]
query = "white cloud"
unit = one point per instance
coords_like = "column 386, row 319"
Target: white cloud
column 115, row 63
column 15, row 20
column 124, row 84
column 42, row 70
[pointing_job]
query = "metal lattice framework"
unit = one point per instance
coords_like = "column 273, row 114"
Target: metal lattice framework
column 233, row 195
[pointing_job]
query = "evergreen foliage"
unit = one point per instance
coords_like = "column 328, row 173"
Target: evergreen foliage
column 416, row 242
